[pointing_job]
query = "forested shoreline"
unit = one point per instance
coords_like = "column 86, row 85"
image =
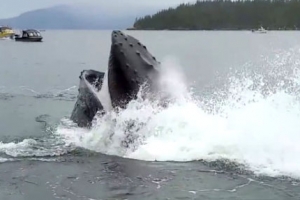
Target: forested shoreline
column 225, row 15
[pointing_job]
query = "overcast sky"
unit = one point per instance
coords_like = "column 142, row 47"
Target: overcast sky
column 12, row 8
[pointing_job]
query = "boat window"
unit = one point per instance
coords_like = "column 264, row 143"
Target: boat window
column 25, row 35
column 31, row 34
column 38, row 34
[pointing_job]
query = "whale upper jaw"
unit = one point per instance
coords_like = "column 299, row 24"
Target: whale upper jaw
column 130, row 66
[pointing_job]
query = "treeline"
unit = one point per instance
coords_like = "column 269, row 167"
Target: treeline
column 226, row 15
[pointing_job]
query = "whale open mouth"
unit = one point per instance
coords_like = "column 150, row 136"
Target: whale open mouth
column 130, row 66
column 94, row 78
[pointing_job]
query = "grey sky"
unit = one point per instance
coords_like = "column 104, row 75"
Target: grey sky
column 11, row 8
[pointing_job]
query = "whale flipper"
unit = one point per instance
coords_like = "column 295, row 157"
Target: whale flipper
column 130, row 66
column 87, row 104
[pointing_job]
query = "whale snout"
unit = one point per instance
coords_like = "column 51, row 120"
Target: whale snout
column 131, row 54
column 123, row 47
column 117, row 36
column 120, row 44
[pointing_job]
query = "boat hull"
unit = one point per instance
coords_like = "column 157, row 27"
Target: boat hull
column 7, row 35
column 29, row 39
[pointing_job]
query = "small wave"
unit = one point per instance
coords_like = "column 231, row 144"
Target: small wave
column 6, row 39
column 5, row 96
column 68, row 94
column 50, row 146
column 2, row 160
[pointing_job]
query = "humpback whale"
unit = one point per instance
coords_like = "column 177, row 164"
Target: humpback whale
column 130, row 66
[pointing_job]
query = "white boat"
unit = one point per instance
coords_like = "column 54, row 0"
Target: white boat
column 260, row 30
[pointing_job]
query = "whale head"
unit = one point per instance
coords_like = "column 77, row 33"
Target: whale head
column 130, row 66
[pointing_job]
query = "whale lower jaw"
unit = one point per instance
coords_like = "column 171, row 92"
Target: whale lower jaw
column 88, row 103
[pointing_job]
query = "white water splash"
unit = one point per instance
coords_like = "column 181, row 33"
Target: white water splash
column 34, row 148
column 259, row 131
column 251, row 127
column 104, row 94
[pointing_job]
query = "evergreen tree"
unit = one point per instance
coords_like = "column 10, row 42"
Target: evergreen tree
column 225, row 14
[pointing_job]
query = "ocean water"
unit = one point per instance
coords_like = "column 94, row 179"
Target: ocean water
column 232, row 131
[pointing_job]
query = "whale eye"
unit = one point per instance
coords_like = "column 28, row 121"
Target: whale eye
column 131, row 44
column 139, row 43
column 145, row 47
column 120, row 44
column 153, row 58
column 125, row 38
column 138, row 53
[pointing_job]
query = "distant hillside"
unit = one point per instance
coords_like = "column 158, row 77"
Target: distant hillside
column 226, row 15
column 76, row 17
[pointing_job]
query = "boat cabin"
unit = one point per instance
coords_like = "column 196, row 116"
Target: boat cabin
column 5, row 28
column 31, row 33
